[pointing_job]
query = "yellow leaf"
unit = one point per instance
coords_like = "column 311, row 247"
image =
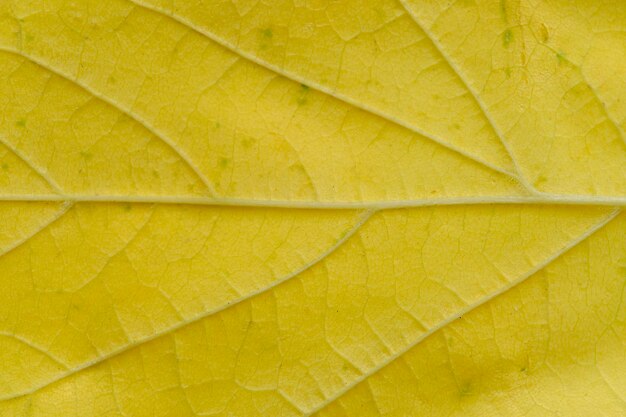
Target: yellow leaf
column 312, row 208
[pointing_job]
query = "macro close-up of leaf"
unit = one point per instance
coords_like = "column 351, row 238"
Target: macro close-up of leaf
column 328, row 208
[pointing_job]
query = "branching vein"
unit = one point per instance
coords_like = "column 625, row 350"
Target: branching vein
column 470, row 308
column 286, row 74
column 363, row 219
column 171, row 144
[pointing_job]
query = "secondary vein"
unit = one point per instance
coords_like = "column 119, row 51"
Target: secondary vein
column 366, row 215
column 474, row 94
column 312, row 84
column 589, row 232
column 181, row 154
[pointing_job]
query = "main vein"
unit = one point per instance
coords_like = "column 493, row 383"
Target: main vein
column 329, row 204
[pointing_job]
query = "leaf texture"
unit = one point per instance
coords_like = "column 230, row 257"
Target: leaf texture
column 323, row 208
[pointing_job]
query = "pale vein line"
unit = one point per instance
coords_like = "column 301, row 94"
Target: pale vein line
column 554, row 199
column 617, row 392
column 139, row 120
column 110, row 258
column 593, row 92
column 474, row 94
column 294, row 77
column 609, row 117
column 34, row 347
column 468, row 309
column 49, row 180
column 64, row 209
column 58, row 215
column 19, row 243
column 357, row 226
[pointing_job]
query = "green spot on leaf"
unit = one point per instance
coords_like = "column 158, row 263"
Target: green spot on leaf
column 302, row 94
column 465, row 389
column 507, row 38
column 247, row 142
column 21, row 123
column 266, row 38
column 503, row 13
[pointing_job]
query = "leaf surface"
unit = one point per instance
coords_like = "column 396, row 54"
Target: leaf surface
column 329, row 208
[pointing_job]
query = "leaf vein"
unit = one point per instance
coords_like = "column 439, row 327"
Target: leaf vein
column 312, row 84
column 49, row 180
column 57, row 216
column 596, row 227
column 372, row 205
column 474, row 95
column 363, row 219
column 171, row 144
column 34, row 347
